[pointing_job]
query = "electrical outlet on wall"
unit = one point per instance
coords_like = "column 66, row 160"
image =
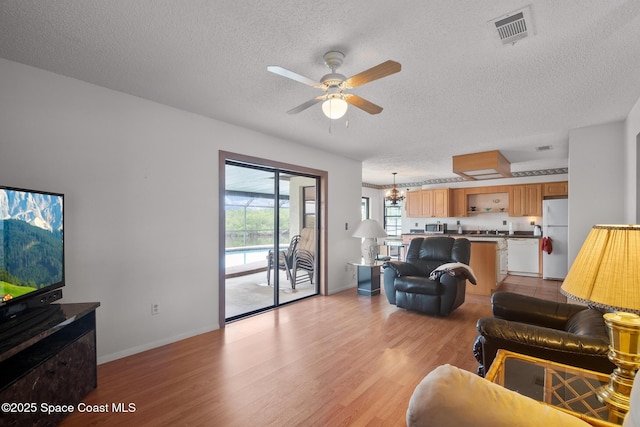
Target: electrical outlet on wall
column 155, row 308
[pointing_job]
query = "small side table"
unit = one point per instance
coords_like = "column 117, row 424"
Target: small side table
column 368, row 276
column 567, row 388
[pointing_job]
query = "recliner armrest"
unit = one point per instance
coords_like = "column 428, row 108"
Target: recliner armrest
column 541, row 337
column 536, row 311
column 402, row 268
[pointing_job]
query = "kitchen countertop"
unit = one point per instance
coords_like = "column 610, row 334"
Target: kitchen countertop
column 481, row 236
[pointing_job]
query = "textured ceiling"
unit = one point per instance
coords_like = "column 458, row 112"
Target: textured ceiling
column 458, row 91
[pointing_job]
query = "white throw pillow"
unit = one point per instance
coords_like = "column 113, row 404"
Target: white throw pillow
column 451, row 397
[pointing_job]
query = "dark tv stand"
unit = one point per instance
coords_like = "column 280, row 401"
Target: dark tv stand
column 51, row 362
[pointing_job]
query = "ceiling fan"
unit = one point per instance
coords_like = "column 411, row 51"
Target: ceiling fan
column 334, row 86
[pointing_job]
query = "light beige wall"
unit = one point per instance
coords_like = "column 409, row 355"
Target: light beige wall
column 632, row 159
column 141, row 206
column 597, row 183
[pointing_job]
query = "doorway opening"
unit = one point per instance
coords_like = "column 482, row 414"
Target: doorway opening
column 270, row 236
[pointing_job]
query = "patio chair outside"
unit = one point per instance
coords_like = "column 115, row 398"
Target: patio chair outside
column 285, row 260
column 303, row 257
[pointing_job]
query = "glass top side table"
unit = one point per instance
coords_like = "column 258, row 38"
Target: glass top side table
column 567, row 388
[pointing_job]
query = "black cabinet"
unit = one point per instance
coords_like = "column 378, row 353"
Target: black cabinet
column 48, row 366
column 368, row 276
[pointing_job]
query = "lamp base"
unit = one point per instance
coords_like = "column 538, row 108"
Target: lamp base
column 369, row 250
column 624, row 349
column 617, row 402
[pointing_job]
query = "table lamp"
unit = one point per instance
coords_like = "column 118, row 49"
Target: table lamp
column 606, row 275
column 369, row 230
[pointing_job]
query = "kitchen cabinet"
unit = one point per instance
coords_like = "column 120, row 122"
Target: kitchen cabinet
column 555, row 189
column 486, row 265
column 440, row 202
column 426, row 206
column 534, row 199
column 487, row 189
column 517, row 198
column 459, row 202
column 413, row 205
column 525, row 200
column 428, row 203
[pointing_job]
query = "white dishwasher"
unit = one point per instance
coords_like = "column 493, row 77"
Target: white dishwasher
column 522, row 256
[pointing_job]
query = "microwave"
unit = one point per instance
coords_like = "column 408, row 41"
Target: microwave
column 438, row 228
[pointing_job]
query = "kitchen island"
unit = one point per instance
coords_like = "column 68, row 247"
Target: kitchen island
column 488, row 259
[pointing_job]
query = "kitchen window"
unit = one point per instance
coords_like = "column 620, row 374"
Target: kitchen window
column 392, row 219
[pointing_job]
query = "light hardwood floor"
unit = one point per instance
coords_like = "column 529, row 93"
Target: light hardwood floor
column 342, row 360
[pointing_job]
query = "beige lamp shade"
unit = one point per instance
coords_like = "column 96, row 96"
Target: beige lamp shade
column 606, row 272
column 369, row 228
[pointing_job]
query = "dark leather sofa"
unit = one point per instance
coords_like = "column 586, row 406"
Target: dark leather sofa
column 565, row 333
column 407, row 283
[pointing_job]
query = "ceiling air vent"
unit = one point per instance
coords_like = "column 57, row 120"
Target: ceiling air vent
column 544, row 148
column 512, row 27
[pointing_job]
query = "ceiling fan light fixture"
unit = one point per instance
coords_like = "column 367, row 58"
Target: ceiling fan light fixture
column 334, row 107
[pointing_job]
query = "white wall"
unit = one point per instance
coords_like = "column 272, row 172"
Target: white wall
column 376, row 203
column 632, row 157
column 597, row 186
column 141, row 202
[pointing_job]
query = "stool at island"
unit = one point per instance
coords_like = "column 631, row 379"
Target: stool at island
column 47, row 358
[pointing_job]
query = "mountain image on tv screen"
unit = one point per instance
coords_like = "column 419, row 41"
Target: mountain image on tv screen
column 31, row 242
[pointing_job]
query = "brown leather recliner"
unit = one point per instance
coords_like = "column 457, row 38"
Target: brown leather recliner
column 565, row 333
column 407, row 284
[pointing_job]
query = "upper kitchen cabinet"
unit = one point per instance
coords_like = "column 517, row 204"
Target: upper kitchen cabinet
column 555, row 189
column 459, row 203
column 525, row 200
column 413, row 205
column 440, row 202
column 426, row 209
column 428, row 203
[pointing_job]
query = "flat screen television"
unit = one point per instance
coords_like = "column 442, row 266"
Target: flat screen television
column 31, row 249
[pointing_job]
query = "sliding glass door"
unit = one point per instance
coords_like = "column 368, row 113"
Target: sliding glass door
column 265, row 268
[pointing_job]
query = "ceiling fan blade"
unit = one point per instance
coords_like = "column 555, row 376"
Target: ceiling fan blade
column 379, row 71
column 306, row 105
column 362, row 103
column 293, row 76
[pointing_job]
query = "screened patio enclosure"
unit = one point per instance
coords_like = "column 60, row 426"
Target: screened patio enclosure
column 263, row 268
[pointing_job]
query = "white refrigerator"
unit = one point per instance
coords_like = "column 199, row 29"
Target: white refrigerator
column 555, row 220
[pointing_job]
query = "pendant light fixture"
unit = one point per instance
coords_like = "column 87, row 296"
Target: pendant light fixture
column 394, row 195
